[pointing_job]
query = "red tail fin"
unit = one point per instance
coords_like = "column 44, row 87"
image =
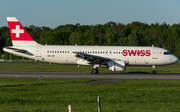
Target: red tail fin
column 19, row 35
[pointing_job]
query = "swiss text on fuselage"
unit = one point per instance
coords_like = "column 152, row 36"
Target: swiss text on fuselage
column 136, row 53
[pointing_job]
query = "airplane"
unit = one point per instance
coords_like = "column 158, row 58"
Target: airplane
column 115, row 58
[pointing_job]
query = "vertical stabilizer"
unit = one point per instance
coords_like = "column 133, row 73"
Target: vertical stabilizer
column 19, row 35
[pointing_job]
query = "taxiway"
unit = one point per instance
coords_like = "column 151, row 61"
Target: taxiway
column 74, row 75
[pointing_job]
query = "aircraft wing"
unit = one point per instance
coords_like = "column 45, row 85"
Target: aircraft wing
column 93, row 58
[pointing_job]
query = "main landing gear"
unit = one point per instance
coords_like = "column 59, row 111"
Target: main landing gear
column 95, row 70
column 154, row 71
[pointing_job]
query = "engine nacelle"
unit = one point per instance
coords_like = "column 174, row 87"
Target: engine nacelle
column 117, row 65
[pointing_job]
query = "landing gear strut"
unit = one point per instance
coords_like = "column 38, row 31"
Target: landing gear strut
column 95, row 70
column 154, row 71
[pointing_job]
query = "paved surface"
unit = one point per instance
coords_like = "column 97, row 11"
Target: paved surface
column 118, row 76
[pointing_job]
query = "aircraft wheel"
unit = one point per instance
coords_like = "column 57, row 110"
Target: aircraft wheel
column 154, row 72
column 94, row 71
column 97, row 71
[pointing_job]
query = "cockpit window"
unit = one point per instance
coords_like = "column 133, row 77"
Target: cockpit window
column 167, row 53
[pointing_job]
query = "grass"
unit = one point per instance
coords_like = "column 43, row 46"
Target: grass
column 54, row 95
column 45, row 67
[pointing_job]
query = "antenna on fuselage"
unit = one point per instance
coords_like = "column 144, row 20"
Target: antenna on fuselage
column 75, row 44
column 152, row 45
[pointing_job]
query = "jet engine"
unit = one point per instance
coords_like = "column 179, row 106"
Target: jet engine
column 117, row 65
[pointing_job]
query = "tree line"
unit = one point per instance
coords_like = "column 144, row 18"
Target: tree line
column 110, row 34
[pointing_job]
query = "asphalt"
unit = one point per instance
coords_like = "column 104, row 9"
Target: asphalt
column 74, row 75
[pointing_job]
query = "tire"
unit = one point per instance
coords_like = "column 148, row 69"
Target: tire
column 154, row 72
column 97, row 71
column 94, row 71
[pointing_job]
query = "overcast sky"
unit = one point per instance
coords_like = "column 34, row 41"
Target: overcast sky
column 52, row 13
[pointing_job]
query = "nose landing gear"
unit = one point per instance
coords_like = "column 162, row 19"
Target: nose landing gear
column 154, row 71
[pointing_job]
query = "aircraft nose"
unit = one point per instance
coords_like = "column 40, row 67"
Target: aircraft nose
column 175, row 59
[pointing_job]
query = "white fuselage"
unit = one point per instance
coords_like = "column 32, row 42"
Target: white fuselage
column 132, row 55
column 113, row 57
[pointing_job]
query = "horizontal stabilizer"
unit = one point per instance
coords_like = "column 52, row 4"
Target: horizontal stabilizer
column 18, row 50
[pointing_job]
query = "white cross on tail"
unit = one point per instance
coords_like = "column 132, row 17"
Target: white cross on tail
column 17, row 31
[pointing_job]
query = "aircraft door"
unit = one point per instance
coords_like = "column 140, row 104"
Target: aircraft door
column 155, row 54
column 38, row 52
